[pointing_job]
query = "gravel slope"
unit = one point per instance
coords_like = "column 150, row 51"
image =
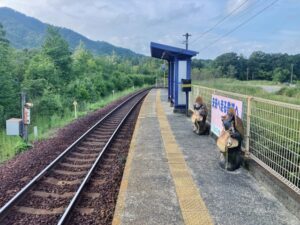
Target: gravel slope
column 16, row 173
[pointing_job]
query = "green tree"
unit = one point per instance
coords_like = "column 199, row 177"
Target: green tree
column 58, row 50
column 83, row 61
column 225, row 60
column 197, row 63
column 9, row 100
column 231, row 71
column 242, row 68
column 34, row 88
column 41, row 67
column 260, row 66
column 49, row 104
column 281, row 75
column 296, row 61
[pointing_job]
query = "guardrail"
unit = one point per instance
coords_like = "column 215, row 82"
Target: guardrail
column 272, row 133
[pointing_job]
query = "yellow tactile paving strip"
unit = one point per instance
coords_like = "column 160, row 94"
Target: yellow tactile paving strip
column 192, row 206
column 124, row 184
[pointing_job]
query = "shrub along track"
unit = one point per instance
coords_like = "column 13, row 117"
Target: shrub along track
column 47, row 199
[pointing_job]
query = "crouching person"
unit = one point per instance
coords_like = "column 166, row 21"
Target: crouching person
column 199, row 117
column 230, row 141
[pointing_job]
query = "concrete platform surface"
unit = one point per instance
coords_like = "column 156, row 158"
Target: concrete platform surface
column 172, row 176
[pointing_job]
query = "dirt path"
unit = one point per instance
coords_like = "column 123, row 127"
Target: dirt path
column 270, row 88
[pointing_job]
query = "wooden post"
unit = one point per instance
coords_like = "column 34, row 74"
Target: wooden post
column 35, row 131
column 23, row 100
column 75, row 108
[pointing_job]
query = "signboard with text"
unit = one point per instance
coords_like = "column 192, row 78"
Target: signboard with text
column 26, row 116
column 219, row 107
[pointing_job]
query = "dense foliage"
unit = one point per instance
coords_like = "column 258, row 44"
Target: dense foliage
column 259, row 66
column 53, row 76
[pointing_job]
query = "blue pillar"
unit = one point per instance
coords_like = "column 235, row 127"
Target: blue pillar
column 188, row 76
column 176, row 82
column 169, row 79
column 189, row 66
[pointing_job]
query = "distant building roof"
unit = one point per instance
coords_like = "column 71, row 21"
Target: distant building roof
column 167, row 52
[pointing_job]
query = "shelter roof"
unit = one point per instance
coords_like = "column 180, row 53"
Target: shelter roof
column 169, row 53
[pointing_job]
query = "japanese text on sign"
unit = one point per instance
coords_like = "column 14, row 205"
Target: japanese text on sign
column 224, row 105
column 219, row 107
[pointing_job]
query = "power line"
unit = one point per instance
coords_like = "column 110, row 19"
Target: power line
column 221, row 21
column 246, row 12
column 240, row 25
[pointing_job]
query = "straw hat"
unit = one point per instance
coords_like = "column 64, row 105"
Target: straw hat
column 199, row 100
column 237, row 120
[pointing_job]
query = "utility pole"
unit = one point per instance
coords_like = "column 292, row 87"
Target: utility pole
column 24, row 128
column 23, row 101
column 187, row 35
column 292, row 71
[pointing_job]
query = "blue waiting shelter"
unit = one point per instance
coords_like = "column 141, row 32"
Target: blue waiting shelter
column 179, row 67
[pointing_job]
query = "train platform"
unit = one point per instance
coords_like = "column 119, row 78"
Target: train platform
column 172, row 176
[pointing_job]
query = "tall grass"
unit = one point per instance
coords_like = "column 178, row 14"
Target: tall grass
column 8, row 145
column 47, row 126
column 253, row 88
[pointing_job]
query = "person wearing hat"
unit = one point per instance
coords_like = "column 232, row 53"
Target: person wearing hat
column 232, row 158
column 199, row 117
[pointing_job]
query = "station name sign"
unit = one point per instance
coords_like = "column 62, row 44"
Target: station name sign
column 219, row 107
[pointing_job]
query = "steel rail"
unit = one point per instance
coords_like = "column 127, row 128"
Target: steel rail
column 72, row 203
column 17, row 197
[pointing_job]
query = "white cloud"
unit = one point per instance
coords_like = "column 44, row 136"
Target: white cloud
column 134, row 24
column 238, row 5
column 227, row 44
column 286, row 41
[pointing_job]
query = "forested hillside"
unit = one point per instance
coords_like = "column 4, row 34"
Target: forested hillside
column 27, row 32
column 259, row 66
column 54, row 76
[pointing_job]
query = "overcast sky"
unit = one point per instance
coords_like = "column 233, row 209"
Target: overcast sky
column 134, row 23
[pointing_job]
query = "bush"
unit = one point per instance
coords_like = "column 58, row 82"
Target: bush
column 280, row 75
column 21, row 146
column 35, row 88
column 289, row 91
column 1, row 114
column 50, row 104
column 138, row 80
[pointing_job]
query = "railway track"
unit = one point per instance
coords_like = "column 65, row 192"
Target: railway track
column 77, row 181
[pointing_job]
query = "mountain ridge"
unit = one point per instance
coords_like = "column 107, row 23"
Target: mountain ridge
column 28, row 32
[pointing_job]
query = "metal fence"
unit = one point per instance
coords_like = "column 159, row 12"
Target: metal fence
column 272, row 133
